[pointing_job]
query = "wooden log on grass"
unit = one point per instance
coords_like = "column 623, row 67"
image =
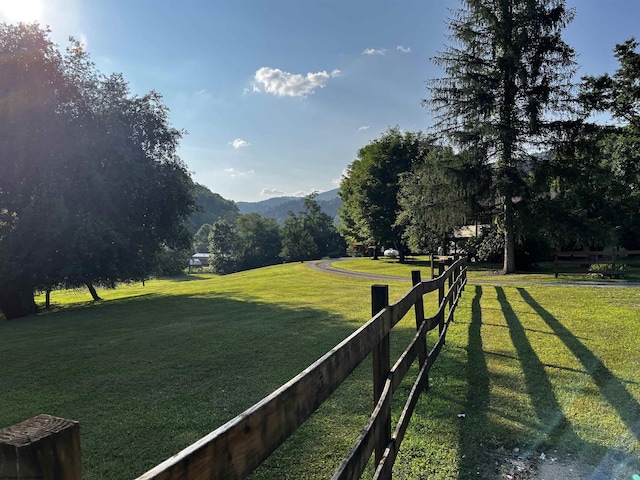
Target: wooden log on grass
column 41, row 448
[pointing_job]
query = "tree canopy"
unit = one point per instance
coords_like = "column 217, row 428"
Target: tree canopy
column 442, row 192
column 91, row 190
column 310, row 234
column 369, row 190
column 596, row 173
column 250, row 242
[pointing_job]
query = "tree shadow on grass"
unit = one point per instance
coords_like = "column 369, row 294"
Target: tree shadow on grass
column 610, row 386
column 147, row 376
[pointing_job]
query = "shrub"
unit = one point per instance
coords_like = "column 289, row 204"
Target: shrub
column 487, row 247
column 602, row 270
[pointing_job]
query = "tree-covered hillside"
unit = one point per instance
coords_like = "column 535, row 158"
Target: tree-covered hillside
column 211, row 207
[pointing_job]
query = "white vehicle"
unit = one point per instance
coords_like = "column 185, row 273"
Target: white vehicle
column 391, row 253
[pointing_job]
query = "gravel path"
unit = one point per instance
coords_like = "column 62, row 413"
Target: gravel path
column 326, row 266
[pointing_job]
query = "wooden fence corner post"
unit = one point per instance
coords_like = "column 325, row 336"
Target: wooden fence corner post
column 43, row 447
column 381, row 365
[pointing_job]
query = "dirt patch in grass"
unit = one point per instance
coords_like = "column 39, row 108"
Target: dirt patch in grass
column 514, row 465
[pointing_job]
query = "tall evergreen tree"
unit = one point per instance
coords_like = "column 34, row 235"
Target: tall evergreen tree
column 506, row 91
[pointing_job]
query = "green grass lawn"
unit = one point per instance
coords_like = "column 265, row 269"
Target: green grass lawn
column 152, row 368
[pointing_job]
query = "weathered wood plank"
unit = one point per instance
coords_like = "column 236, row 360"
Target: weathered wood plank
column 419, row 314
column 385, row 466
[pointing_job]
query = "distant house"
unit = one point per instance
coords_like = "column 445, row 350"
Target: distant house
column 199, row 260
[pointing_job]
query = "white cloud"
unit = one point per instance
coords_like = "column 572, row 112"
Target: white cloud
column 402, row 49
column 239, row 143
column 236, row 173
column 204, row 94
column 285, row 84
column 271, row 191
column 374, row 51
column 364, row 127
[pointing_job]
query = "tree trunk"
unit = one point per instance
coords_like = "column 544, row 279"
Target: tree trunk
column 17, row 302
column 375, row 252
column 93, row 292
column 401, row 256
column 509, row 265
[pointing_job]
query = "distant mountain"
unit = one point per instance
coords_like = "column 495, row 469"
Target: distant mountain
column 278, row 207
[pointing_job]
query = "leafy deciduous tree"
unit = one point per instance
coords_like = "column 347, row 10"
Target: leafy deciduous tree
column 310, row 234
column 370, row 188
column 201, row 239
column 259, row 241
column 92, row 190
column 596, row 173
column 223, row 247
column 251, row 242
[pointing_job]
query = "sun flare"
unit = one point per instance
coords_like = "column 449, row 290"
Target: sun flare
column 21, row 10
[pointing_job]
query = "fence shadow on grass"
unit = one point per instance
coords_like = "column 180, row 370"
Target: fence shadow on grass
column 549, row 425
column 552, row 422
column 610, row 386
column 478, row 392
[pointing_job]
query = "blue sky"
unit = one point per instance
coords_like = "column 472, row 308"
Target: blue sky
column 278, row 96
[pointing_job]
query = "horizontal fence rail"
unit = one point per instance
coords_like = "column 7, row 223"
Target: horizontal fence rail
column 237, row 448
column 613, row 263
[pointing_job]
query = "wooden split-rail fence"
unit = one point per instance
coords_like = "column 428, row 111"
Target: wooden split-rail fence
column 238, row 447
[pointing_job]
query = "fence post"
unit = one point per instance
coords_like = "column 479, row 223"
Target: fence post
column 440, row 299
column 613, row 265
column 419, row 308
column 43, row 447
column 433, row 266
column 381, row 365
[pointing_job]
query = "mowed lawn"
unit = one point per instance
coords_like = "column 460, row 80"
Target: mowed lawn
column 146, row 372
